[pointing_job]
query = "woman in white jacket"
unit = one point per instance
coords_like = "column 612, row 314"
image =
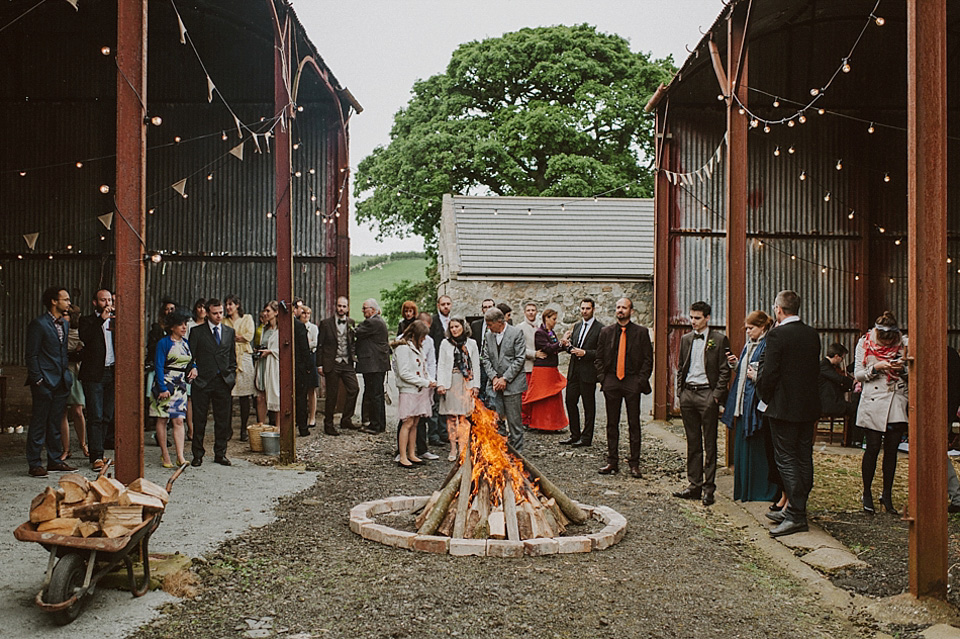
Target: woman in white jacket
column 413, row 382
column 458, row 380
column 883, row 403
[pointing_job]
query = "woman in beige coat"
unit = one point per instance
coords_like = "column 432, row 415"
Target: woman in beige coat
column 882, row 412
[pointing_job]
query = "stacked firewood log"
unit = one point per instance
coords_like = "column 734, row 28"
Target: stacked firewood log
column 100, row 508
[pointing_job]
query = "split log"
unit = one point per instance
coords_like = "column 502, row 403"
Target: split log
column 75, row 488
column 87, row 528
column 510, row 509
column 548, row 488
column 524, row 523
column 68, row 526
column 446, row 526
column 115, row 531
column 149, row 503
column 437, row 513
column 44, row 506
column 557, row 512
column 460, row 522
column 107, row 488
column 479, row 511
column 496, row 524
column 128, row 516
column 147, row 487
column 89, row 512
column 427, row 508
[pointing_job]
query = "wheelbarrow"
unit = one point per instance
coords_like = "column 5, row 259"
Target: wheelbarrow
column 71, row 581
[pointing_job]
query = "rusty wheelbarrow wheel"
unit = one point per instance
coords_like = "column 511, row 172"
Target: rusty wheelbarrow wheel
column 66, row 580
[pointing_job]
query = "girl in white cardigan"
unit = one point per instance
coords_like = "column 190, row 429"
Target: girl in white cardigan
column 413, row 382
column 458, row 381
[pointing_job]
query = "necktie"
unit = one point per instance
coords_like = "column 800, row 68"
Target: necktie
column 216, row 334
column 622, row 354
column 698, row 336
column 583, row 335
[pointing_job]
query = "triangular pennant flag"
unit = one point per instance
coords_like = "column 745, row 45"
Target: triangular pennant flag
column 669, row 177
column 239, row 130
column 31, row 239
column 709, row 169
column 74, row 4
column 106, row 219
column 283, row 121
column 266, row 140
column 237, row 151
column 210, row 88
column 700, row 175
column 180, row 187
column 257, row 143
column 183, row 30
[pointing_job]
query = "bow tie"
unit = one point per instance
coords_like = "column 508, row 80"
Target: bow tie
column 698, row 336
column 341, row 321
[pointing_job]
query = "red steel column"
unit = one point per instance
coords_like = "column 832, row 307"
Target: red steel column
column 283, row 163
column 663, row 196
column 343, row 222
column 927, row 241
column 736, row 191
column 130, row 203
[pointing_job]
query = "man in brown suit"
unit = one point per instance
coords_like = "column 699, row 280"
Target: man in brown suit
column 335, row 361
column 702, row 384
column 624, row 361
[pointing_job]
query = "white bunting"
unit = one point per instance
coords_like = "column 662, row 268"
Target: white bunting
column 239, row 129
column 106, row 219
column 266, row 140
column 31, row 239
column 256, row 142
column 73, row 3
column 237, row 151
column 180, row 187
column 183, row 30
column 210, row 88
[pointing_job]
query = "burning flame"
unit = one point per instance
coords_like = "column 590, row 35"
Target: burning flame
column 491, row 459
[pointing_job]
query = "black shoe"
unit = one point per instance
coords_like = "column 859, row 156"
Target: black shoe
column 777, row 517
column 223, row 461
column 331, row 430
column 885, row 500
column 688, row 493
column 369, row 431
column 583, row 443
column 243, row 436
column 609, row 469
column 709, row 500
column 303, row 432
column 788, row 527
column 775, row 507
column 635, row 472
column 572, row 441
column 197, row 462
column 867, row 500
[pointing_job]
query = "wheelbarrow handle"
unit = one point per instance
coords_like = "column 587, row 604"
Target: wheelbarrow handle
column 103, row 469
column 173, row 478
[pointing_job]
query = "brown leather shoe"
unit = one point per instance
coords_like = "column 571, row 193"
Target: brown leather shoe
column 635, row 472
column 688, row 493
column 609, row 469
column 60, row 467
column 38, row 471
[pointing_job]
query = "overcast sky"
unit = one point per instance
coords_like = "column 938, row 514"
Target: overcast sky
column 379, row 48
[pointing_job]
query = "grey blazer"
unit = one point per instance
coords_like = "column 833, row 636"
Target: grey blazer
column 505, row 360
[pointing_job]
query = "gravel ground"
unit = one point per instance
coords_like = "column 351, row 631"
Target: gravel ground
column 681, row 571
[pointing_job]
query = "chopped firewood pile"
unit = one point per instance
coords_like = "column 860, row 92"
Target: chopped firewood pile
column 100, row 508
column 493, row 493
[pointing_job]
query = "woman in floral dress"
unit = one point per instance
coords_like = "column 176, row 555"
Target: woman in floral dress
column 168, row 397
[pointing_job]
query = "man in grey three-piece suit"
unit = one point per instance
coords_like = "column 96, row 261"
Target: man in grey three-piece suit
column 502, row 358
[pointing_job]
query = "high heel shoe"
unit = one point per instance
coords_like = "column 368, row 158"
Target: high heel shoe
column 86, row 451
column 867, row 501
column 887, row 502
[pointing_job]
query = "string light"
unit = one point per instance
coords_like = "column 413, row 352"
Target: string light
column 803, row 175
column 177, row 139
column 529, row 212
column 317, row 212
column 792, row 150
column 754, row 123
column 563, row 207
column 79, row 165
column 879, row 20
column 314, row 172
column 23, row 174
column 891, row 280
column 793, row 257
column 104, row 188
column 871, row 129
column 897, row 241
column 826, row 198
column 496, row 211
column 298, row 174
column 223, row 135
column 105, row 50
column 850, row 215
column 802, row 119
column 839, row 164
column 814, row 92
column 881, row 229
column 209, row 176
column 846, row 65
column 790, row 123
column 776, row 152
column 296, row 146
column 857, row 277
column 766, row 128
column 821, row 111
column 776, row 102
column 155, row 258
column 886, row 177
column 823, row 269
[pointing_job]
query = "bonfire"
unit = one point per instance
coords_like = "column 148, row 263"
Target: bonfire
column 494, row 493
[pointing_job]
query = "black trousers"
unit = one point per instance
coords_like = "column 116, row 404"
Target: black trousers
column 216, row 393
column 301, row 386
column 614, row 396
column 373, row 400
column 890, row 442
column 793, row 448
column 700, row 413
column 578, row 390
column 346, row 374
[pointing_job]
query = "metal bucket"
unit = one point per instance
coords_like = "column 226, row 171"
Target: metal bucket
column 271, row 443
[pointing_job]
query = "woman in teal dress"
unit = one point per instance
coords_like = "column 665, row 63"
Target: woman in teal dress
column 751, row 480
column 168, row 398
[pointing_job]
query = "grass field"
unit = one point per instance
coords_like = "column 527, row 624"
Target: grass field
column 369, row 283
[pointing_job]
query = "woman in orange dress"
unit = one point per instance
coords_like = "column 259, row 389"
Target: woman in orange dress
column 545, row 393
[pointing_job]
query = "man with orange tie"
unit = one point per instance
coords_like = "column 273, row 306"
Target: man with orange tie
column 624, row 362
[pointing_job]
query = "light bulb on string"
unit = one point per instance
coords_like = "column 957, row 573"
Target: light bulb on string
column 594, row 198
column 814, row 92
column 529, row 212
column 296, row 146
column 741, row 111
column 776, row 152
column 803, row 175
column 879, row 20
column 317, row 212
column 298, row 174
column 871, row 129
column 314, row 172
column 313, row 198
column 891, row 280
column 155, row 258
column 105, row 50
column 792, row 150
column 846, row 66
column 720, row 97
column 23, row 174
column 563, row 207
column 19, row 257
column 300, row 109
column 839, row 164
column 496, row 211
column 177, row 139
column 102, row 238
column 826, row 198
column 69, row 247
column 760, row 243
column 79, row 165
column 223, row 135
column 821, row 111
column 823, row 269
column 886, row 177
column 766, row 128
column 337, row 214
column 791, row 123
column 209, row 176
column 104, row 188
column 856, row 277
column 793, row 257
column 776, row 102
column 151, row 211
column 850, row 215
column 754, row 123
column 802, row 119
column 881, row 229
column 269, row 214
column 897, row 242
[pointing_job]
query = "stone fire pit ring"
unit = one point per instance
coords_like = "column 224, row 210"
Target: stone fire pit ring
column 362, row 523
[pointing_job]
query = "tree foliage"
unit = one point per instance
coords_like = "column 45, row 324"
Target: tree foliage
column 547, row 111
column 422, row 293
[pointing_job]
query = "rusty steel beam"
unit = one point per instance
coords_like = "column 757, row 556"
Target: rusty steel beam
column 927, row 278
column 735, row 195
column 663, row 196
column 283, row 163
column 129, row 231
column 343, row 222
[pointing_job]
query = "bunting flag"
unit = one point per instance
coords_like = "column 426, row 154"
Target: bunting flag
column 183, row 30
column 180, row 187
column 256, row 143
column 106, row 219
column 31, row 239
column 210, row 88
column 266, row 140
column 239, row 129
column 237, row 151
column 73, row 3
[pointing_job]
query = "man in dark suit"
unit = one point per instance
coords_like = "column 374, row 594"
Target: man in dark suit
column 623, row 362
column 212, row 344
column 787, row 384
column 96, row 372
column 373, row 362
column 702, row 384
column 303, row 364
column 833, row 385
column 436, row 423
column 336, row 359
column 49, row 382
column 478, row 330
column 582, row 375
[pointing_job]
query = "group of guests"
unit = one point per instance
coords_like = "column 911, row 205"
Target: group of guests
column 778, row 389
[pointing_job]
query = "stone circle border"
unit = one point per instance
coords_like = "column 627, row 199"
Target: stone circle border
column 363, row 524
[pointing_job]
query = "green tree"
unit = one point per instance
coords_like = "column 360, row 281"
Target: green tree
column 423, row 293
column 548, row 111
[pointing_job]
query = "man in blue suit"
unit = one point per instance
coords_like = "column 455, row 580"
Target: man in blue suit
column 49, row 382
